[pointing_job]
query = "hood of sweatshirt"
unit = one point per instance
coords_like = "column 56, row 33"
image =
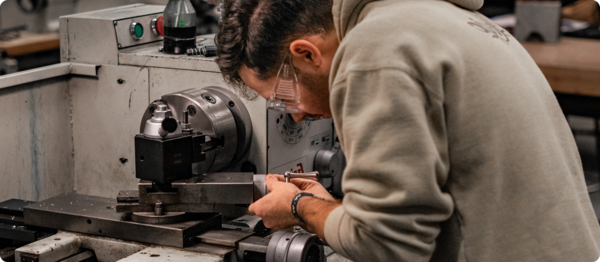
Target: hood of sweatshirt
column 346, row 12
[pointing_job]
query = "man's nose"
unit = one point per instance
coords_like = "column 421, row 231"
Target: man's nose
column 298, row 117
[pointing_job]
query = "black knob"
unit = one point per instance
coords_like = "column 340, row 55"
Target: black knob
column 169, row 124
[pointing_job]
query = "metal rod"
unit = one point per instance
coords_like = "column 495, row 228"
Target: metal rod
column 289, row 175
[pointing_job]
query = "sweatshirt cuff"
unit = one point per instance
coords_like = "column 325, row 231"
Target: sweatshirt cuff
column 332, row 230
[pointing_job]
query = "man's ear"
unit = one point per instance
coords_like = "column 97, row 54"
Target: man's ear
column 306, row 56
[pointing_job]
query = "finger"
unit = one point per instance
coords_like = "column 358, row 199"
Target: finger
column 279, row 177
column 251, row 210
column 302, row 183
column 308, row 178
column 272, row 182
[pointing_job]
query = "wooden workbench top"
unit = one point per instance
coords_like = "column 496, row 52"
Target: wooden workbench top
column 572, row 66
column 30, row 43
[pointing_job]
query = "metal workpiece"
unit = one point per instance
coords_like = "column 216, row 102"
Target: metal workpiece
column 260, row 186
column 223, row 237
column 215, row 113
column 289, row 175
column 294, row 247
column 96, row 216
column 212, row 188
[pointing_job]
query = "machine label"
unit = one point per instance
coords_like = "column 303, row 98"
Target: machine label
column 296, row 166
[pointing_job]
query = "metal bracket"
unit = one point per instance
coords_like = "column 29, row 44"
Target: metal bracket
column 47, row 72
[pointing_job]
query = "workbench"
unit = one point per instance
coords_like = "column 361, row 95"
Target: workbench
column 572, row 67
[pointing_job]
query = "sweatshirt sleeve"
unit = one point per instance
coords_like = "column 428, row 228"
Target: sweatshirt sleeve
column 393, row 134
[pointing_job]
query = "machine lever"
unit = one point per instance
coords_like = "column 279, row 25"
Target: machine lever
column 289, row 175
column 168, row 125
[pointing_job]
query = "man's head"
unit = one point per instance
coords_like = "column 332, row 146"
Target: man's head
column 256, row 35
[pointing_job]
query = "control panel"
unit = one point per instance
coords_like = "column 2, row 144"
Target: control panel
column 137, row 31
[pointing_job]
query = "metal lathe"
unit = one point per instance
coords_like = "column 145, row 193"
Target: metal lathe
column 150, row 157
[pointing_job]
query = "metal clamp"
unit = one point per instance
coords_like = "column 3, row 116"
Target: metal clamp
column 289, row 175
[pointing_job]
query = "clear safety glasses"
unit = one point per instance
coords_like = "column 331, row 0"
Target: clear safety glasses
column 286, row 93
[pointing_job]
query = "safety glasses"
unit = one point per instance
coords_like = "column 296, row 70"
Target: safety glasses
column 286, row 93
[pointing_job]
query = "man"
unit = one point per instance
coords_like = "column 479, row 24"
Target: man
column 456, row 147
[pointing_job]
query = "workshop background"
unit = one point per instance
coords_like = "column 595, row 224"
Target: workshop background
column 29, row 39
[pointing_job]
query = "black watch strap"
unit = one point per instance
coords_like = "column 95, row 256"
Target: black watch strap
column 295, row 203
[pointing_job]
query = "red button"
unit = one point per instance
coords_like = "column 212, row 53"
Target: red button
column 160, row 26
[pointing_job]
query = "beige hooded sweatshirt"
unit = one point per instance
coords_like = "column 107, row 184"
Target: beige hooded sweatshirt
column 457, row 149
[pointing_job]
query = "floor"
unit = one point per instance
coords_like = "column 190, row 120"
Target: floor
column 583, row 129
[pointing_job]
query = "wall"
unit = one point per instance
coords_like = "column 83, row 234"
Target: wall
column 36, row 146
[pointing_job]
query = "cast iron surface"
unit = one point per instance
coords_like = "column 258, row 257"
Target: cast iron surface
column 14, row 206
column 97, row 216
column 7, row 254
column 213, row 188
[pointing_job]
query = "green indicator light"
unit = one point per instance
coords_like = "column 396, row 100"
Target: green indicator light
column 139, row 30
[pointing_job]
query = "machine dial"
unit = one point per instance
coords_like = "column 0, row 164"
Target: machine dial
column 290, row 131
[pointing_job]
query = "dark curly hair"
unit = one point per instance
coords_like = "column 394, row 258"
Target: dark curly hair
column 257, row 33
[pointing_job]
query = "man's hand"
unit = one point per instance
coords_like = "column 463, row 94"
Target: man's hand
column 275, row 208
column 310, row 186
